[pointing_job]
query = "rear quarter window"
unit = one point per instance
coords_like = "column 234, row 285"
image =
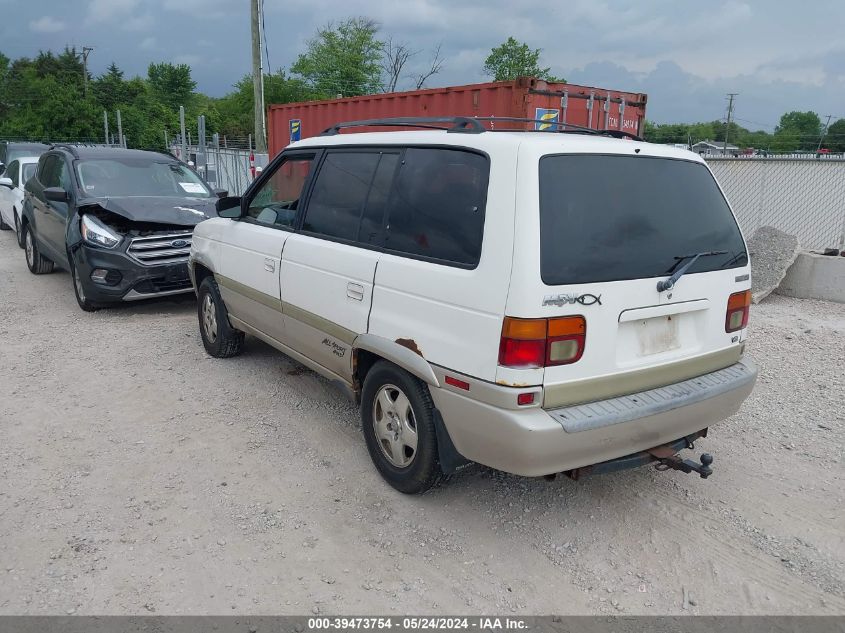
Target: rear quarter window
column 613, row 218
column 436, row 209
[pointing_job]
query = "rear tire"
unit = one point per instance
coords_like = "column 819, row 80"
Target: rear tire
column 79, row 290
column 219, row 338
column 3, row 225
column 35, row 261
column 397, row 417
column 18, row 230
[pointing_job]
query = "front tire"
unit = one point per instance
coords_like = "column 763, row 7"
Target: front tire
column 79, row 290
column 3, row 225
column 35, row 261
column 219, row 338
column 397, row 417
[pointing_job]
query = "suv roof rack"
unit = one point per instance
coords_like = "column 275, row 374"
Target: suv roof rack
column 473, row 125
column 462, row 124
column 66, row 146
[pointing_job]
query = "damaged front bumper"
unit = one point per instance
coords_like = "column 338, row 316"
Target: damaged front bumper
column 125, row 278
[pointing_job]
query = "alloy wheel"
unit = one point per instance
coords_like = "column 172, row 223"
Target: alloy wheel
column 209, row 318
column 395, row 426
column 77, row 282
column 30, row 250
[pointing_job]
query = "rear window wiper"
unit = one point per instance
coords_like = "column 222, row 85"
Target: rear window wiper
column 670, row 283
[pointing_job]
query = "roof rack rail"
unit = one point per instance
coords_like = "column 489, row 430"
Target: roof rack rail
column 458, row 124
column 473, row 125
column 562, row 127
column 67, row 146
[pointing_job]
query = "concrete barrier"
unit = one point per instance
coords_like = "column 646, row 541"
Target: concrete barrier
column 815, row 276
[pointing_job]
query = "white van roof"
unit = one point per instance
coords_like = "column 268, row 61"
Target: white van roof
column 539, row 142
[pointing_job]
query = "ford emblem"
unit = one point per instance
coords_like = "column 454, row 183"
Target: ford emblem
column 179, row 243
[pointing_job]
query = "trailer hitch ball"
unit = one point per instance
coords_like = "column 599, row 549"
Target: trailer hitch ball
column 706, row 460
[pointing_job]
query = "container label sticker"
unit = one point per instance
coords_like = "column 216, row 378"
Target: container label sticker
column 192, row 187
column 295, row 130
column 546, row 114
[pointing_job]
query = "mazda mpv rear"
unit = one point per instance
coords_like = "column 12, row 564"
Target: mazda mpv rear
column 540, row 303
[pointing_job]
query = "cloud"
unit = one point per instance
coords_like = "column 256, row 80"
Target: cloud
column 47, row 24
column 138, row 23
column 107, row 10
column 189, row 59
column 148, row 44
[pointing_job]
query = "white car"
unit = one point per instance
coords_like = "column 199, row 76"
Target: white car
column 12, row 193
column 540, row 303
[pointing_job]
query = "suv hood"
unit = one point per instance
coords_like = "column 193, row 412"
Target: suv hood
column 156, row 209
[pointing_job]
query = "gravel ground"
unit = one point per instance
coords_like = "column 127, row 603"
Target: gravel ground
column 140, row 476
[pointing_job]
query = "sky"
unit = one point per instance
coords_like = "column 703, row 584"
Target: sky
column 779, row 55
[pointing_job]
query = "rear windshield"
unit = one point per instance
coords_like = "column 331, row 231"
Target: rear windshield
column 610, row 218
column 105, row 177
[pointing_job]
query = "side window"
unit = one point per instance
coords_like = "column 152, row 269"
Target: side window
column 372, row 219
column 340, row 193
column 64, row 176
column 276, row 202
column 48, row 174
column 12, row 172
column 437, row 206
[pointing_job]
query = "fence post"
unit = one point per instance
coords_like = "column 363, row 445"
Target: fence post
column 184, row 150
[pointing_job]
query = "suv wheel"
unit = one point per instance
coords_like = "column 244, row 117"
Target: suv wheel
column 79, row 290
column 35, row 261
column 18, row 230
column 397, row 417
column 220, row 339
column 3, row 225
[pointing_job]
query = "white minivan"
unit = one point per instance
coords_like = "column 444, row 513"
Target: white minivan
column 537, row 302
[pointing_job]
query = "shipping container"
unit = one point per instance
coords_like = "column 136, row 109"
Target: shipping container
column 526, row 98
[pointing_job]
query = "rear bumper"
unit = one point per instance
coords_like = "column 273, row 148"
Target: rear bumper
column 534, row 442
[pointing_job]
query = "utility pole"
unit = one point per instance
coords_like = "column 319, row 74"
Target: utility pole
column 824, row 132
column 731, row 96
column 258, row 80
column 86, row 50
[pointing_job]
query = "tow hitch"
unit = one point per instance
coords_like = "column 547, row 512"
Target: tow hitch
column 665, row 456
column 668, row 460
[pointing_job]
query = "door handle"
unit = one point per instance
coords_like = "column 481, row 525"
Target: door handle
column 355, row 291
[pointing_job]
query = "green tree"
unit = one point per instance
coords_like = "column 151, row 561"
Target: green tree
column 797, row 131
column 109, row 89
column 515, row 59
column 171, row 84
column 342, row 59
column 235, row 113
column 834, row 140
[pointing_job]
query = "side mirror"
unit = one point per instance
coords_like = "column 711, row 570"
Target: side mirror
column 221, row 193
column 6, row 182
column 229, row 207
column 56, row 194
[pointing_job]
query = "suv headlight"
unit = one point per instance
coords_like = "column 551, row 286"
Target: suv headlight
column 98, row 234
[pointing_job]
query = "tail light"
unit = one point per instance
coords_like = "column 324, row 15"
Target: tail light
column 736, row 316
column 531, row 343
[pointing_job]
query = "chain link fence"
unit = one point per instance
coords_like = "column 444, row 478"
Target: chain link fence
column 801, row 196
column 223, row 167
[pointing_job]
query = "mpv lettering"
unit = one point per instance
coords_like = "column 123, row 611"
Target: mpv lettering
column 562, row 300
